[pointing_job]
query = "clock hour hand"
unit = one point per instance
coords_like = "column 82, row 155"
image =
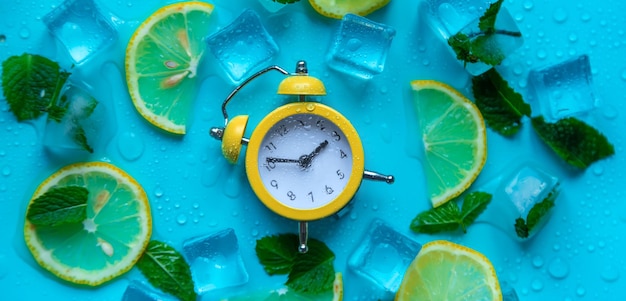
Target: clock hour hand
column 305, row 160
column 281, row 160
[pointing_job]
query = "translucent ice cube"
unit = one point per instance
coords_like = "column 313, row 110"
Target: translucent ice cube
column 215, row 261
column 137, row 291
column 449, row 17
column 360, row 47
column 81, row 28
column 85, row 117
column 515, row 196
column 243, row 45
column 564, row 89
column 508, row 292
column 383, row 255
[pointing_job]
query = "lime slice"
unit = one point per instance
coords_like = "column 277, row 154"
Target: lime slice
column 112, row 237
column 338, row 8
column 446, row 271
column 288, row 295
column 455, row 143
column 162, row 59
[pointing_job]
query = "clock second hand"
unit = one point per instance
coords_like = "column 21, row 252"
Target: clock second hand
column 304, row 161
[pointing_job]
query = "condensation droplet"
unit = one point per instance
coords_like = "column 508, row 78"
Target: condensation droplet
column 573, row 37
column 6, row 171
column 254, row 233
column 3, row 38
column 585, row 17
column 538, row 261
column 580, row 291
column 610, row 274
column 181, row 219
column 24, row 33
column 528, row 5
column 558, row 268
column 598, row 170
column 559, row 15
column 158, row 192
column 130, row 146
column 541, row 54
column 537, row 285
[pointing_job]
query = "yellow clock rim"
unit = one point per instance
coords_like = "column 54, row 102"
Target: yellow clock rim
column 252, row 162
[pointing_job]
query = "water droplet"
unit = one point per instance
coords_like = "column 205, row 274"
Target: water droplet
column 537, row 285
column 211, row 174
column 130, row 146
column 598, row 170
column 158, row 192
column 559, row 15
column 585, row 17
column 558, row 268
column 573, row 37
column 528, row 5
column 254, row 232
column 3, row 38
column 541, row 54
column 354, row 44
column 24, row 33
column 610, row 274
column 232, row 187
column 538, row 261
column 353, row 216
column 580, row 291
column 425, row 62
column 181, row 219
column 195, row 205
column 6, row 171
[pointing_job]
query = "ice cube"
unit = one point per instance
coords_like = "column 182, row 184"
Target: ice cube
column 137, row 291
column 515, row 194
column 360, row 46
column 84, row 117
column 272, row 5
column 81, row 27
column 564, row 89
column 242, row 46
column 215, row 261
column 451, row 17
column 382, row 256
column 508, row 292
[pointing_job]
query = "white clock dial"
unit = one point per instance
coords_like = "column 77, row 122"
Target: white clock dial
column 305, row 161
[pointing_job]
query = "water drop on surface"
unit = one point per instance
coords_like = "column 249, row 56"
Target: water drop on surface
column 24, row 33
column 537, row 285
column 181, row 219
column 538, row 261
column 558, row 268
column 528, row 5
column 158, row 192
column 560, row 15
column 6, row 171
column 3, row 38
column 580, row 291
column 610, row 274
column 130, row 146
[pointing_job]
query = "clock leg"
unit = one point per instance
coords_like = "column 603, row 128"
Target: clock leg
column 303, row 233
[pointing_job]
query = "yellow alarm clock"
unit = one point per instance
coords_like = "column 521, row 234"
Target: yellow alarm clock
column 304, row 160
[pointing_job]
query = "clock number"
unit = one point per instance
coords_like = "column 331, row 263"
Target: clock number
column 282, row 130
column 291, row 195
column 274, row 184
column 329, row 190
column 269, row 165
column 270, row 146
column 320, row 124
column 342, row 153
column 335, row 136
column 340, row 174
column 301, row 122
column 311, row 194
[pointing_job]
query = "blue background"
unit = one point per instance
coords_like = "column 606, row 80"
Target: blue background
column 187, row 177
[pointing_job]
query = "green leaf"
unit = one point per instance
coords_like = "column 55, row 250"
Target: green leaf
column 31, row 83
column 484, row 48
column 59, row 205
column 446, row 217
column 535, row 215
column 500, row 105
column 167, row 270
column 79, row 137
column 277, row 253
column 313, row 272
column 473, row 205
column 487, row 21
column 461, row 45
column 576, row 142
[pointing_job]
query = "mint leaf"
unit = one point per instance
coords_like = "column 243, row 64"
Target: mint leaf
column 310, row 273
column 59, row 205
column 461, row 45
column 31, row 83
column 487, row 21
column 276, row 253
column 446, row 217
column 79, row 137
column 574, row 141
column 313, row 272
column 502, row 107
column 473, row 205
column 484, row 48
column 167, row 270
column 535, row 215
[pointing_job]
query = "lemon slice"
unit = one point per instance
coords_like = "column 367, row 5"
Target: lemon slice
column 443, row 270
column 286, row 294
column 454, row 136
column 112, row 237
column 338, row 8
column 162, row 59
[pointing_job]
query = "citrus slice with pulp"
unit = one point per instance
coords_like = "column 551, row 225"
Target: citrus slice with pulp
column 443, row 270
column 287, row 294
column 337, row 9
column 109, row 241
column 454, row 136
column 162, row 60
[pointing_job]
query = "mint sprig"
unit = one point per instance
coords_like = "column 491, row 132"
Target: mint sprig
column 536, row 214
column 578, row 143
column 311, row 273
column 58, row 206
column 167, row 270
column 502, row 107
column 478, row 46
column 448, row 217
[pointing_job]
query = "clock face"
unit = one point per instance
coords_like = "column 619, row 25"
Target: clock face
column 305, row 161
